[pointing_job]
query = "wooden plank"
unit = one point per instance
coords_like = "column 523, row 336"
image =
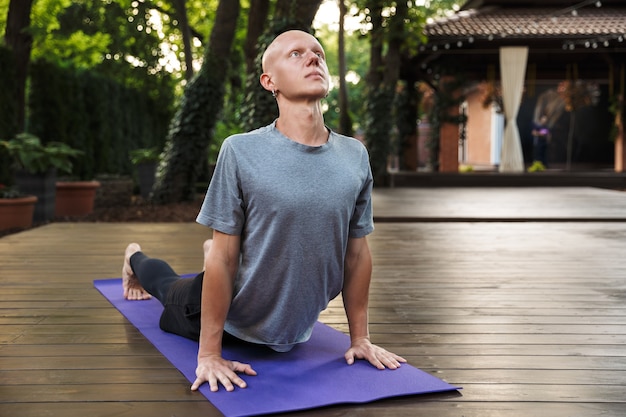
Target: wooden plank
column 111, row 408
column 85, row 362
column 35, row 377
column 502, row 203
column 100, row 392
column 123, row 348
column 527, row 316
column 408, row 407
column 178, row 392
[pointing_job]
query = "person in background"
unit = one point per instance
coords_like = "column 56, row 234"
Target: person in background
column 541, row 140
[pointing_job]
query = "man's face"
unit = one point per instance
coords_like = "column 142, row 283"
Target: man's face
column 296, row 64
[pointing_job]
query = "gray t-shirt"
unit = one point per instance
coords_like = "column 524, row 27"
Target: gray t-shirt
column 295, row 206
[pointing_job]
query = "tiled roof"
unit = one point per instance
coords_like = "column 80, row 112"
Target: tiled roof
column 476, row 4
column 531, row 23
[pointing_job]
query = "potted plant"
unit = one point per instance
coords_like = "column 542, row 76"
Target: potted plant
column 146, row 161
column 16, row 209
column 75, row 198
column 36, row 165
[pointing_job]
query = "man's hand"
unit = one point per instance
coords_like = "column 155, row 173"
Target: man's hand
column 381, row 358
column 215, row 369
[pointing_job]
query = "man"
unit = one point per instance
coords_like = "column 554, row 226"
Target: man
column 541, row 139
column 290, row 208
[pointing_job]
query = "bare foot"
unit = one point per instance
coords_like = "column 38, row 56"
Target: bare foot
column 132, row 288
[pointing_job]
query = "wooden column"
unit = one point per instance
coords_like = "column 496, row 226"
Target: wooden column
column 620, row 146
column 449, row 129
column 449, row 144
column 617, row 83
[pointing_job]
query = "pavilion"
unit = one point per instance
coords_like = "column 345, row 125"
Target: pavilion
column 521, row 45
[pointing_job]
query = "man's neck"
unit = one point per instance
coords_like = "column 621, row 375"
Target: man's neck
column 303, row 124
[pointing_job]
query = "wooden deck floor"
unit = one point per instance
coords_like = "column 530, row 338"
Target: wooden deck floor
column 523, row 306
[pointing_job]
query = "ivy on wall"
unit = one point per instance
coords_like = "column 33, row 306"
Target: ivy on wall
column 101, row 117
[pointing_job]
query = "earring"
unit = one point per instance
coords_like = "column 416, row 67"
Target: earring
column 273, row 93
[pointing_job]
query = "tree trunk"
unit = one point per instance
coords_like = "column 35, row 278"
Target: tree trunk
column 374, row 75
column 181, row 13
column 191, row 130
column 407, row 116
column 299, row 14
column 259, row 108
column 20, row 42
column 382, row 80
column 345, row 122
column 259, row 10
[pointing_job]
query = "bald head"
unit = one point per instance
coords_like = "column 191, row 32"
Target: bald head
column 280, row 43
column 294, row 64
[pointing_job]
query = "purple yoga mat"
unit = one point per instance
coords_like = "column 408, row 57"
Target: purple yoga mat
column 313, row 374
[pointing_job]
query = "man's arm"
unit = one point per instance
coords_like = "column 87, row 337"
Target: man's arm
column 217, row 290
column 358, row 273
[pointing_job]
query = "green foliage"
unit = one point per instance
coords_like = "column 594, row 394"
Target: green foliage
column 145, row 155
column 537, row 166
column 379, row 119
column 191, row 130
column 30, row 155
column 67, row 33
column 357, row 58
column 164, row 18
column 98, row 80
column 405, row 109
column 259, row 107
column 4, row 11
column 9, row 192
column 104, row 118
column 113, row 38
column 378, row 130
column 203, row 96
column 223, row 130
column 230, row 121
column 418, row 15
column 126, row 55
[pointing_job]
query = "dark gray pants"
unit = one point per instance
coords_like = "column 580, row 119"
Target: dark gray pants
column 181, row 297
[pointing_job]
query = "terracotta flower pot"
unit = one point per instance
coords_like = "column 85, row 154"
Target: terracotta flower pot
column 17, row 213
column 75, row 198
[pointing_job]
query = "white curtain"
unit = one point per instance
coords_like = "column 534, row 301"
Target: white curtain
column 513, row 71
